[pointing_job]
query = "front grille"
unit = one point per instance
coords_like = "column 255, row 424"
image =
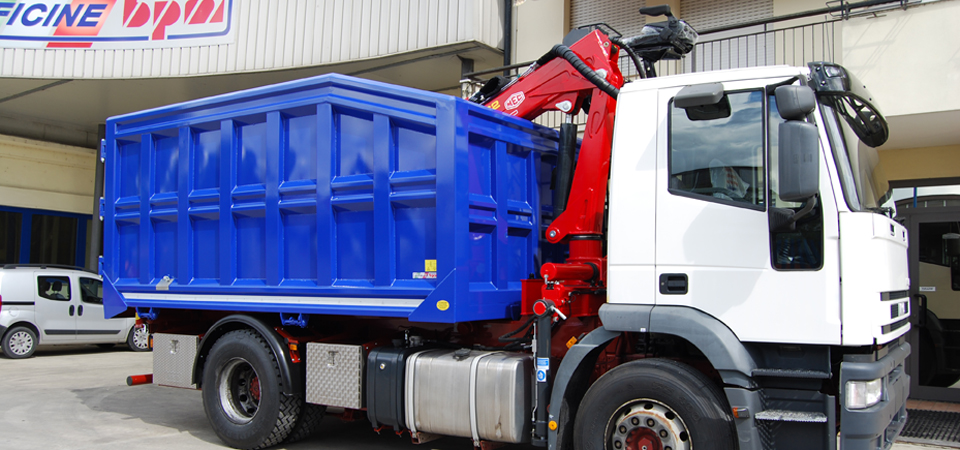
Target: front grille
column 887, row 329
column 893, row 295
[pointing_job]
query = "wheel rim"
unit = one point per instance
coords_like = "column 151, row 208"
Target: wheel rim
column 21, row 343
column 239, row 391
column 141, row 338
column 647, row 424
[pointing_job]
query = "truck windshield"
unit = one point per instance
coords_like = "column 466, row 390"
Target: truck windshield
column 865, row 186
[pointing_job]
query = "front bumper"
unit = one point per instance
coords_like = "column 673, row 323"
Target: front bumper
column 876, row 427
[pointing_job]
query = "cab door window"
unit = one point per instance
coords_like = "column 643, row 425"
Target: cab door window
column 54, row 288
column 719, row 157
column 801, row 246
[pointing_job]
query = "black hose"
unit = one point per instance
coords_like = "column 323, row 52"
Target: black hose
column 633, row 56
column 523, row 327
column 591, row 75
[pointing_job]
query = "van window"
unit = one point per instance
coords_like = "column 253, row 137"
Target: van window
column 54, row 288
column 91, row 291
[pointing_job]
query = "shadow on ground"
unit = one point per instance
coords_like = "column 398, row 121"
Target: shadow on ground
column 180, row 409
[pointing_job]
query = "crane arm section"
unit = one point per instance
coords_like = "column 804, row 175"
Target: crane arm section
column 579, row 78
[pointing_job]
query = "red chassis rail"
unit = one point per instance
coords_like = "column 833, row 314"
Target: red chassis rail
column 558, row 86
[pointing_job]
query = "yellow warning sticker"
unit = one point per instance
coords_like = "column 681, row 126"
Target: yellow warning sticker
column 443, row 305
column 430, row 265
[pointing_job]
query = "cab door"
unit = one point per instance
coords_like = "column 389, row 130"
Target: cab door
column 92, row 328
column 715, row 250
column 56, row 308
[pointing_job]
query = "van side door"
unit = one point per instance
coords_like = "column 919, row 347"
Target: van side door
column 56, row 307
column 92, row 328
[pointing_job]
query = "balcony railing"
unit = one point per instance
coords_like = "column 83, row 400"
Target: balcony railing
column 791, row 46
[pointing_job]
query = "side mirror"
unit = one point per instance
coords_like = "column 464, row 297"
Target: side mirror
column 703, row 101
column 799, row 148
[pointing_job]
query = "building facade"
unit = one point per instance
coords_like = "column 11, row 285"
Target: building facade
column 65, row 66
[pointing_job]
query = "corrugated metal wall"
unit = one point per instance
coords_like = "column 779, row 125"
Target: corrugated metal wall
column 283, row 34
column 705, row 15
column 623, row 15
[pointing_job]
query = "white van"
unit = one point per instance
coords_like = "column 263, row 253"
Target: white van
column 44, row 305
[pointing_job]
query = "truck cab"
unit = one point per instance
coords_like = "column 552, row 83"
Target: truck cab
column 697, row 198
column 699, row 252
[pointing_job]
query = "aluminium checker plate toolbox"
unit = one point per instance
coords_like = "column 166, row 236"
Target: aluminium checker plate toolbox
column 173, row 359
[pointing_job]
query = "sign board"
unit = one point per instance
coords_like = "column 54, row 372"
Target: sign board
column 116, row 24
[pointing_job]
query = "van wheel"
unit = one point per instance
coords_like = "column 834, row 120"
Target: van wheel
column 139, row 338
column 20, row 342
column 654, row 404
column 241, row 393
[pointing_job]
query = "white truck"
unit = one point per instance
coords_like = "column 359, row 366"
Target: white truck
column 335, row 242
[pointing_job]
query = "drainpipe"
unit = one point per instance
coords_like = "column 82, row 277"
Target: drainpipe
column 507, row 34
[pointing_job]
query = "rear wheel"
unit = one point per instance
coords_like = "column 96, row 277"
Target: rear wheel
column 20, row 342
column 654, row 404
column 241, row 393
column 307, row 423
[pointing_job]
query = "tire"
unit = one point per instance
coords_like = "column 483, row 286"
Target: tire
column 307, row 423
column 139, row 339
column 654, row 404
column 19, row 342
column 241, row 393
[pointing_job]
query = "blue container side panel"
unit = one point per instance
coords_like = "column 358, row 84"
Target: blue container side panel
column 331, row 188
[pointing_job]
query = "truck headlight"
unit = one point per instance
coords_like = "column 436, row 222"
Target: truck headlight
column 863, row 394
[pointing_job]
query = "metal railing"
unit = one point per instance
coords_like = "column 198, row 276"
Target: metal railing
column 792, row 46
column 796, row 45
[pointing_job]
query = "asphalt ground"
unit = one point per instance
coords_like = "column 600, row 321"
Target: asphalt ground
column 76, row 398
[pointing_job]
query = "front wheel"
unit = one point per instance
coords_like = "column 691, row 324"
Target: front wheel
column 139, row 338
column 241, row 393
column 654, row 404
column 19, row 342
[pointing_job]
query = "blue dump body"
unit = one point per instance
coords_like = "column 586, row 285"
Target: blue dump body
column 328, row 195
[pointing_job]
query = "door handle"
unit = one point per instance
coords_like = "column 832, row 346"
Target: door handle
column 80, row 310
column 71, row 310
column 673, row 283
column 922, row 306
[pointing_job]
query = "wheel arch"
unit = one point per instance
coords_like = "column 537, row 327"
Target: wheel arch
column 22, row 323
column 723, row 350
column 713, row 338
column 290, row 378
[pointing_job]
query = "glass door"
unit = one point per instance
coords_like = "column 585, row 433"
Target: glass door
column 935, row 315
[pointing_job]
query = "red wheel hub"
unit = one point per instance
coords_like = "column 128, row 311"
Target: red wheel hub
column 643, row 439
column 255, row 388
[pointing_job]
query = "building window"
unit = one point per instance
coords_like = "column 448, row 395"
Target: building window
column 53, row 240
column 9, row 237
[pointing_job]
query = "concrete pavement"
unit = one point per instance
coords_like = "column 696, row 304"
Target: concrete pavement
column 76, row 398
